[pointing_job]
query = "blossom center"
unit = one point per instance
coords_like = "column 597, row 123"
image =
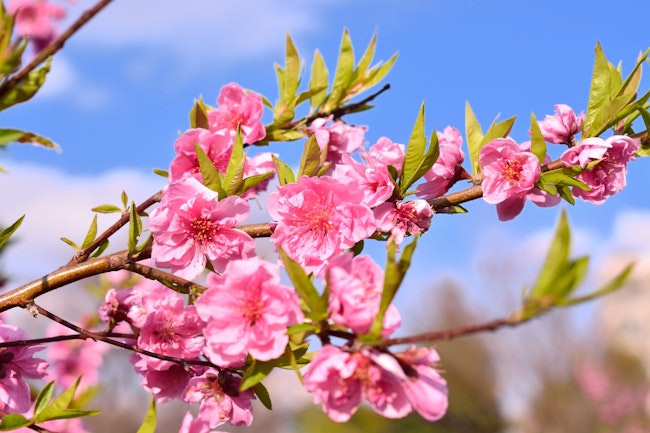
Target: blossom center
column 316, row 217
column 253, row 309
column 512, row 171
column 203, row 230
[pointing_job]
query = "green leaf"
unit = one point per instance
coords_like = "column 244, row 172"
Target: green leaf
column 600, row 91
column 537, row 143
column 43, row 398
column 199, row 115
column 56, row 408
column 343, row 74
column 378, row 72
column 395, row 272
column 255, row 373
column 135, row 229
column 367, row 56
column 149, row 423
column 474, row 136
column 498, row 130
column 304, row 286
column 285, row 174
column 91, row 234
column 614, row 284
column 7, row 232
column 25, row 88
column 313, row 158
column 13, row 421
column 161, row 172
column 263, row 395
column 562, row 176
column 414, row 152
column 15, row 135
column 291, row 71
column 212, row 178
column 125, row 199
column 70, row 242
column 107, row 208
column 556, row 259
column 102, row 247
column 318, row 80
column 234, row 178
column 256, row 179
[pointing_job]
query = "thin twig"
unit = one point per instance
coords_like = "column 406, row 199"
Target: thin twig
column 45, row 340
column 117, row 343
column 53, row 47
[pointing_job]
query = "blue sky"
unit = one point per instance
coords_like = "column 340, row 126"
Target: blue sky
column 121, row 90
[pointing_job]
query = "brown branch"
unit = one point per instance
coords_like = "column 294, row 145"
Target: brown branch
column 52, row 48
column 117, row 343
column 450, row 334
column 37, row 341
column 83, row 254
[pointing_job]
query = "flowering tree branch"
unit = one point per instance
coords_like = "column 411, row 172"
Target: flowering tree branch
column 53, row 47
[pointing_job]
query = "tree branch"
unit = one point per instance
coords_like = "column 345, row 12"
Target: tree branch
column 52, row 48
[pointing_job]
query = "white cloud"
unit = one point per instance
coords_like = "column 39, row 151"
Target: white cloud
column 56, row 204
column 64, row 80
column 197, row 31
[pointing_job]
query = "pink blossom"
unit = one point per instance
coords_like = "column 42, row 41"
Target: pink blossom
column 373, row 178
column 402, row 218
column 356, row 285
column 247, row 310
column 340, row 380
column 238, row 107
column 376, row 183
column 607, row 177
column 191, row 425
column 318, row 219
column 70, row 359
column 339, row 137
column 17, row 364
column 509, row 175
column 384, row 152
column 425, row 388
column 171, row 329
column 447, row 170
column 34, row 20
column 192, row 226
column 164, row 384
column 259, row 164
column 220, row 397
column 561, row 127
column 217, row 145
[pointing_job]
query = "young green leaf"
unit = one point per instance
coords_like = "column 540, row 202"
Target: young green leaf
column 26, row 88
column 474, row 136
column 318, row 80
column 313, row 158
column 212, row 178
column 107, row 208
column 135, row 229
column 13, row 421
column 255, row 373
column 395, row 272
column 537, row 143
column 7, row 232
column 70, row 242
column 162, row 173
column 199, row 115
column 600, row 91
column 285, row 174
column 556, row 260
column 102, row 247
column 234, row 178
column 343, row 74
column 43, row 398
column 149, row 422
column 263, row 395
column 291, row 71
column 15, row 135
column 91, row 234
column 304, row 286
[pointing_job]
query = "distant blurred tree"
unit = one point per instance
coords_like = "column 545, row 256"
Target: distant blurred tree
column 598, row 396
